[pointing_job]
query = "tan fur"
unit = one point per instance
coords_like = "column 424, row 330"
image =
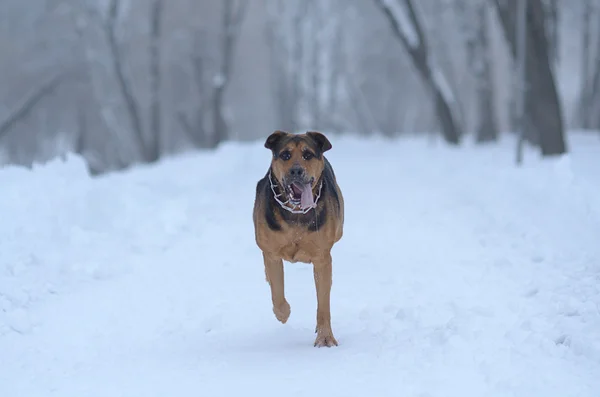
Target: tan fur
column 313, row 167
column 295, row 243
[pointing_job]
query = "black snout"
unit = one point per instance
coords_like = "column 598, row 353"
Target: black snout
column 296, row 172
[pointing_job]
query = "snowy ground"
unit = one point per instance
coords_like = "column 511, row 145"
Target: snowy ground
column 458, row 275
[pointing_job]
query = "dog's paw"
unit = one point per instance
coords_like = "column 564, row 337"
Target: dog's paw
column 282, row 312
column 325, row 340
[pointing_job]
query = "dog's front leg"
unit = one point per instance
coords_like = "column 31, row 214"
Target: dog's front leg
column 274, row 273
column 322, row 268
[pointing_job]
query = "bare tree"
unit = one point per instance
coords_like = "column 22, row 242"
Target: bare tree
column 88, row 22
column 406, row 26
column 284, row 110
column 474, row 18
column 336, row 77
column 590, row 91
column 195, row 127
column 544, row 119
column 233, row 15
column 210, row 98
column 521, row 61
column 439, row 21
column 584, row 105
column 130, row 78
column 286, row 48
column 125, row 85
column 148, row 144
column 154, row 144
column 322, row 72
column 306, row 44
column 23, row 110
column 317, row 61
column 594, row 93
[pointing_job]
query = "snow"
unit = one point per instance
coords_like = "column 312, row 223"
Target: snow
column 459, row 274
column 399, row 13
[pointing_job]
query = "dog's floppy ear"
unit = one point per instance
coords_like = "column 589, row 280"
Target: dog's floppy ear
column 321, row 140
column 274, row 138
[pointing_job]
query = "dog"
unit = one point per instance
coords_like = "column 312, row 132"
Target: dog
column 298, row 216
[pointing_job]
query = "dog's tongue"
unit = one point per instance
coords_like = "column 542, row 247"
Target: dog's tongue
column 307, row 200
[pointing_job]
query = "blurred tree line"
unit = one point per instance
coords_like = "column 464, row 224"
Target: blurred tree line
column 129, row 81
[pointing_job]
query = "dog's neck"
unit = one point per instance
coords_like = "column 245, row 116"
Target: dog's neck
column 287, row 205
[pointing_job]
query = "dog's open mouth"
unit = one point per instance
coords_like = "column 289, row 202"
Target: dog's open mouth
column 301, row 194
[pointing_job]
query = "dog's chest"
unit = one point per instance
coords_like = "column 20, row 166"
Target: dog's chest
column 297, row 248
column 294, row 253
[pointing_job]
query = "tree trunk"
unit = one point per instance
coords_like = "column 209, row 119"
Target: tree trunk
column 296, row 93
column 233, row 14
column 315, row 67
column 487, row 127
column 277, row 51
column 593, row 87
column 335, row 77
column 475, row 24
column 594, row 93
column 584, row 90
column 154, row 141
column 552, row 24
column 220, row 127
column 520, row 89
column 195, row 126
column 407, row 28
column 543, row 109
column 125, row 85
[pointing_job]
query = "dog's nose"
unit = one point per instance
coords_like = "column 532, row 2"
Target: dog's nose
column 296, row 171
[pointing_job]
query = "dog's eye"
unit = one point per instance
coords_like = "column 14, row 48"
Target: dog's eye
column 307, row 155
column 285, row 155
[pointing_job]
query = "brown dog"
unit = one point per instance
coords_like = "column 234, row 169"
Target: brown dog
column 298, row 217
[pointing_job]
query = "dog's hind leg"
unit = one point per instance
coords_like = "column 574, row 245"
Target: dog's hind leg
column 323, row 280
column 275, row 278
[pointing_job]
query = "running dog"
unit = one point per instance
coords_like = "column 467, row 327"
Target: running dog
column 298, row 216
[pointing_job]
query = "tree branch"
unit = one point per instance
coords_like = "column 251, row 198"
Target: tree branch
column 386, row 7
column 406, row 27
column 29, row 104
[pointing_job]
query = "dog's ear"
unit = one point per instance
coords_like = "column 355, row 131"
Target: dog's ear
column 321, row 140
column 274, row 138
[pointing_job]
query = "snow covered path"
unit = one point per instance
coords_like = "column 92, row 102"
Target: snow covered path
column 458, row 275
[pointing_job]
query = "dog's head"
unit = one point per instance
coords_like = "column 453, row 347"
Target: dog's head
column 298, row 162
